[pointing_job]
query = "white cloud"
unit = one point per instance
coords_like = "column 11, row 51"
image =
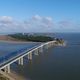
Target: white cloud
column 5, row 19
column 36, row 17
column 36, row 24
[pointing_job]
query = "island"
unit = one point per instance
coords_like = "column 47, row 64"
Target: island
column 35, row 38
column 30, row 37
column 27, row 37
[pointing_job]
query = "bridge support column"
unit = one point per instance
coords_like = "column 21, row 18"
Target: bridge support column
column 50, row 44
column 30, row 56
column 36, row 52
column 41, row 49
column 7, row 69
column 47, row 46
column 20, row 61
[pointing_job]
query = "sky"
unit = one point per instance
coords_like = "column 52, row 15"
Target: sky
column 39, row 16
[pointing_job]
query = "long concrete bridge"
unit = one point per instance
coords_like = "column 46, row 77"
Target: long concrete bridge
column 5, row 62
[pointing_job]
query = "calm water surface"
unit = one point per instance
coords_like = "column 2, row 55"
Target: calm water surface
column 9, row 47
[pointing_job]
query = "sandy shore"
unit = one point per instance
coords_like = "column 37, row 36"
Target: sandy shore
column 17, row 76
column 9, row 41
column 14, row 75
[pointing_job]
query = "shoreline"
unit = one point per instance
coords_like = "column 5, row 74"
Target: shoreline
column 17, row 76
column 11, row 41
column 5, row 38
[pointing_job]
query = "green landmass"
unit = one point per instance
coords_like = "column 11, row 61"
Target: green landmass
column 34, row 38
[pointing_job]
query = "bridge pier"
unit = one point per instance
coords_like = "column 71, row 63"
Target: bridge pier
column 41, row 49
column 7, row 69
column 51, row 44
column 36, row 52
column 29, row 56
column 20, row 61
column 47, row 46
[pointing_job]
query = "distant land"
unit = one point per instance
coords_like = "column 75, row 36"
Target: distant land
column 26, row 37
column 7, row 38
column 31, row 37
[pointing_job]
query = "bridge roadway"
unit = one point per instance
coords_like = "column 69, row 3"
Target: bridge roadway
column 6, row 61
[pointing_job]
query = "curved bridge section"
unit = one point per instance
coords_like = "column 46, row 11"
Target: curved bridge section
column 6, row 61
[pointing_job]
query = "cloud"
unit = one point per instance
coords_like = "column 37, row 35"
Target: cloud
column 36, row 17
column 8, row 24
column 5, row 19
column 36, row 24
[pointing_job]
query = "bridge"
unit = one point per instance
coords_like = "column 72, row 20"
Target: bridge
column 5, row 62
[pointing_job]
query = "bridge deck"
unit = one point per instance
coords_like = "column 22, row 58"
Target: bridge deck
column 8, row 51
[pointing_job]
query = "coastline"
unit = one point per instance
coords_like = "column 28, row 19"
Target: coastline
column 8, row 39
column 17, row 76
column 11, row 41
